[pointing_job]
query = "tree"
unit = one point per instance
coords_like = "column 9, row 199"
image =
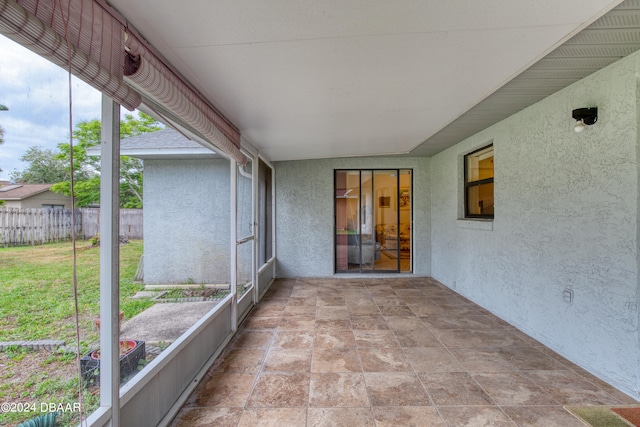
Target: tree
column 44, row 167
column 2, row 108
column 87, row 168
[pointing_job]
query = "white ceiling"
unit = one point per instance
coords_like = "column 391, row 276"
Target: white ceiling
column 331, row 78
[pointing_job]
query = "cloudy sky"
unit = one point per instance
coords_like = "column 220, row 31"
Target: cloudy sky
column 36, row 92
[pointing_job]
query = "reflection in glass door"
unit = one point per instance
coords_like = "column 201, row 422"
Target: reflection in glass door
column 373, row 220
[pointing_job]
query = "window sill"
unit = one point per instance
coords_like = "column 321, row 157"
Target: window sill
column 476, row 224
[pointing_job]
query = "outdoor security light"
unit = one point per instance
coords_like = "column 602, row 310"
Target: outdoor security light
column 585, row 117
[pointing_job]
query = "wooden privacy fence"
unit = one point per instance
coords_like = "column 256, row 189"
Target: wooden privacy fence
column 130, row 223
column 19, row 227
column 35, row 226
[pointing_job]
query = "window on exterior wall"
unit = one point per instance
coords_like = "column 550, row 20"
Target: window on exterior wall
column 478, row 183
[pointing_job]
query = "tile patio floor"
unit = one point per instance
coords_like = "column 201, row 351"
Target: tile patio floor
column 386, row 352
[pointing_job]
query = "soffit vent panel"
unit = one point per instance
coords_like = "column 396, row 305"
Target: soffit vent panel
column 541, row 73
column 573, row 63
column 606, row 36
column 615, row 20
column 602, row 51
column 629, row 4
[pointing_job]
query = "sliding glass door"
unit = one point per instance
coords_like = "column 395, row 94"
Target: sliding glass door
column 373, row 221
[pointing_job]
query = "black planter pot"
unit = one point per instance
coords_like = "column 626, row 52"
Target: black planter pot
column 90, row 363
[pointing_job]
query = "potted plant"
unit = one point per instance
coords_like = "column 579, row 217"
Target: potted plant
column 131, row 352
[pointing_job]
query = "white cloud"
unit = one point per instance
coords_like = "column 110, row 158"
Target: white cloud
column 37, row 94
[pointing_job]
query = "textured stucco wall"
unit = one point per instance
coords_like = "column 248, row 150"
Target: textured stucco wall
column 305, row 217
column 186, row 219
column 566, row 216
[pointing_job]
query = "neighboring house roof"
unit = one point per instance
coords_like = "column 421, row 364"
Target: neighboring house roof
column 22, row 191
column 165, row 143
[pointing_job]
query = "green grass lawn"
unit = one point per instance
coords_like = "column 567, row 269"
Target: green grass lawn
column 36, row 302
column 36, row 290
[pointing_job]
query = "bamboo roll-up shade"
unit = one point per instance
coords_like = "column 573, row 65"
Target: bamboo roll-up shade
column 92, row 36
column 149, row 75
column 77, row 30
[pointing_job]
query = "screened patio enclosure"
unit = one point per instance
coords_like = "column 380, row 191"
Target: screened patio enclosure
column 166, row 382
column 340, row 164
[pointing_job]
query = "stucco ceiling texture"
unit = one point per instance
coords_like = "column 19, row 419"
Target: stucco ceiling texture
column 308, row 79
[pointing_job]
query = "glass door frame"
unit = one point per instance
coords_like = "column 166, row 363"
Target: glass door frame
column 241, row 305
column 343, row 236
